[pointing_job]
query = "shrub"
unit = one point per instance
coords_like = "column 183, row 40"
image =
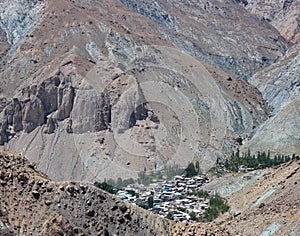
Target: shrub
column 190, row 171
column 201, row 194
column 217, row 205
column 105, row 186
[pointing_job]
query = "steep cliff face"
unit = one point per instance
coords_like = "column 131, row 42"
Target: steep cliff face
column 279, row 83
column 4, row 46
column 53, row 99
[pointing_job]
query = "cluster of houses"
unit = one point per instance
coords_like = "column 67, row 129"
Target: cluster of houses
column 178, row 199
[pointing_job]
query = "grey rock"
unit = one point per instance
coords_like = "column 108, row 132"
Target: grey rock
column 53, row 96
column 226, row 54
column 92, row 116
column 69, row 126
column 70, row 188
column 3, row 133
column 123, row 208
column 33, row 115
column 280, row 83
column 17, row 116
column 47, row 93
column 283, row 15
column 66, row 95
column 280, row 86
column 48, row 202
column 13, row 113
column 36, row 194
column 90, row 213
column 50, row 126
column 19, row 18
column 153, row 11
column 103, row 113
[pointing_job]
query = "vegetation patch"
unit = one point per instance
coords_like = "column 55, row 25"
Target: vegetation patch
column 246, row 162
column 217, row 206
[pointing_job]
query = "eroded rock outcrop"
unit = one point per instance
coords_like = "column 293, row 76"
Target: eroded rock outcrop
column 54, row 95
column 280, row 86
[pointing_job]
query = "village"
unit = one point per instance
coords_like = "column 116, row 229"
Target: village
column 178, row 199
column 182, row 197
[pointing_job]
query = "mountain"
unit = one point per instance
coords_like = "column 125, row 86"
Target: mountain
column 95, row 89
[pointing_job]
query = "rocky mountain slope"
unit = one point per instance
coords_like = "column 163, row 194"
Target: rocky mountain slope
column 31, row 204
column 283, row 15
column 263, row 202
column 280, row 86
column 274, row 198
column 91, row 90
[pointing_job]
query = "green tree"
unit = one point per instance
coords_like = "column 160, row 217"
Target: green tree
column 201, row 194
column 119, row 182
column 127, row 182
column 170, row 216
column 143, row 204
column 210, row 214
column 197, row 165
column 226, row 164
column 217, row 205
column 171, row 171
column 287, row 158
column 150, row 201
column 105, row 186
column 237, row 154
column 249, row 153
column 190, row 171
column 193, row 216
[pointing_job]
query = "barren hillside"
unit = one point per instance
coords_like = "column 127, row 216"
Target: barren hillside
column 31, row 204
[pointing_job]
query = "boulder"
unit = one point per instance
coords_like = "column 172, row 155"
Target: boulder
column 50, row 126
